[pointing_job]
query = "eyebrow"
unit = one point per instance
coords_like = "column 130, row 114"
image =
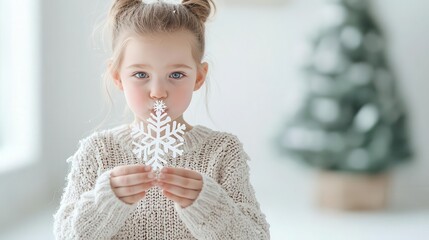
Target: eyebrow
column 172, row 65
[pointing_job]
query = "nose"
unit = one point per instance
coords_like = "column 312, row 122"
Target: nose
column 158, row 90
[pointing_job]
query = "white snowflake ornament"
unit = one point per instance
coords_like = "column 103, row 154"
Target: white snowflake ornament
column 158, row 140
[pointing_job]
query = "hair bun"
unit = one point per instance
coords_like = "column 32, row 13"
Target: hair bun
column 200, row 8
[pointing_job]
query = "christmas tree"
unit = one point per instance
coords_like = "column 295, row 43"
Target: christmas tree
column 353, row 118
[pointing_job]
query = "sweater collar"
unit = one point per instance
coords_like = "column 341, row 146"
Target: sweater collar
column 193, row 138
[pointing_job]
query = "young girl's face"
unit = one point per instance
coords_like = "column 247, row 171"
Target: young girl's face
column 159, row 66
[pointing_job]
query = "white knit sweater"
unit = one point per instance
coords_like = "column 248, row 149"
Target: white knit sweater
column 226, row 207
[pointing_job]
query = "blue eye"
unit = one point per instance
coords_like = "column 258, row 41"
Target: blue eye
column 177, row 75
column 140, row 75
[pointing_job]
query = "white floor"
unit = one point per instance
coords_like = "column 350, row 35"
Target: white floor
column 305, row 224
column 36, row 227
column 293, row 224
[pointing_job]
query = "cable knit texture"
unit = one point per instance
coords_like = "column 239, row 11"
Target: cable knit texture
column 226, row 207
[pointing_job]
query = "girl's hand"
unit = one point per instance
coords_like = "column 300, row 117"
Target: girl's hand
column 180, row 185
column 130, row 182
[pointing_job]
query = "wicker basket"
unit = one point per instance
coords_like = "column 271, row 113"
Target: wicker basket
column 352, row 191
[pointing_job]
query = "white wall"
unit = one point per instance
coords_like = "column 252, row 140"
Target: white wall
column 253, row 53
column 407, row 26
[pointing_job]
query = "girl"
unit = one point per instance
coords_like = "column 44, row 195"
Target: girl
column 203, row 194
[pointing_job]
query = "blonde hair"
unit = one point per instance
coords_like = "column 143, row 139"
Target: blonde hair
column 127, row 17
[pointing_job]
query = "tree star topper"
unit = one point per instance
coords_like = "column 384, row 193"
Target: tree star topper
column 159, row 138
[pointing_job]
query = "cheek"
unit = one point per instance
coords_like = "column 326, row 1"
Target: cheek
column 183, row 98
column 135, row 99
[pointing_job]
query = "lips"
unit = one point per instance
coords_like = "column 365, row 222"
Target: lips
column 153, row 110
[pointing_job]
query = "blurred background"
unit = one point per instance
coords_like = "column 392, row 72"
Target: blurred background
column 52, row 96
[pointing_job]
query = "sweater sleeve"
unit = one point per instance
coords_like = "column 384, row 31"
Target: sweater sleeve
column 227, row 209
column 89, row 209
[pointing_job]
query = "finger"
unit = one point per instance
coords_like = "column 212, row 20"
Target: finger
column 133, row 190
column 129, row 169
column 183, row 202
column 134, row 198
column 184, row 172
column 181, row 192
column 132, row 179
column 177, row 180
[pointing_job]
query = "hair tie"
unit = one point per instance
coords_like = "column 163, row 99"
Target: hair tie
column 176, row 2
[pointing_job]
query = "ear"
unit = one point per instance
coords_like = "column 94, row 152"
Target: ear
column 201, row 75
column 115, row 76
